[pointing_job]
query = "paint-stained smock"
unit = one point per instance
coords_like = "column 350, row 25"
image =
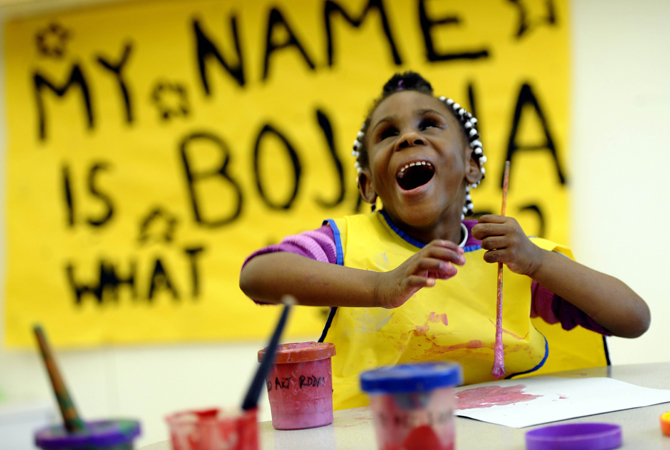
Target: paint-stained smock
column 453, row 321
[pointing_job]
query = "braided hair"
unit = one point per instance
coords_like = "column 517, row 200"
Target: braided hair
column 412, row 81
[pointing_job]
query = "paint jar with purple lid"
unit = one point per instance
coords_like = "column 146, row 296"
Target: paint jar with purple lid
column 413, row 405
column 99, row 435
column 300, row 385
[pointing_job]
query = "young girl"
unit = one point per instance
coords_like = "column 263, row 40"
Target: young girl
column 391, row 275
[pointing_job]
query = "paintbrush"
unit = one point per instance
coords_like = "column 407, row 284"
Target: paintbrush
column 499, row 358
column 258, row 382
column 73, row 422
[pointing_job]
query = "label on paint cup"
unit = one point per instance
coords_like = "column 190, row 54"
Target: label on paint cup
column 300, row 386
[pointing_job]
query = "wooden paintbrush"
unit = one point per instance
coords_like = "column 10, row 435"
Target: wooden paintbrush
column 254, row 392
column 73, row 422
column 499, row 358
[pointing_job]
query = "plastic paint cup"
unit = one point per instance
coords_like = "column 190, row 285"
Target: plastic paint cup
column 214, row 429
column 413, row 405
column 575, row 436
column 99, row 435
column 300, row 385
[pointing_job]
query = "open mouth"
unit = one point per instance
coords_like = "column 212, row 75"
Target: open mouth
column 414, row 174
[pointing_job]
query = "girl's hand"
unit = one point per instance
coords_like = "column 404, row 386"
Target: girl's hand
column 435, row 261
column 507, row 243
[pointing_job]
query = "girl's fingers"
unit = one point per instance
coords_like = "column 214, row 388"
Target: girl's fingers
column 445, row 254
column 436, row 268
column 444, row 244
column 416, row 281
column 495, row 242
column 493, row 256
column 484, row 230
column 492, row 218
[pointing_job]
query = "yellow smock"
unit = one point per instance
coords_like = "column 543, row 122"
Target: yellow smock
column 452, row 321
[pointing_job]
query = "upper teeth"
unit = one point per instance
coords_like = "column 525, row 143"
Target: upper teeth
column 418, row 163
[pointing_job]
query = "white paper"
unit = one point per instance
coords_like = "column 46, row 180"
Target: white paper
column 538, row 400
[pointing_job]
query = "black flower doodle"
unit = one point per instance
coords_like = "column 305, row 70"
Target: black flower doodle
column 51, row 41
column 170, row 99
column 159, row 225
column 543, row 12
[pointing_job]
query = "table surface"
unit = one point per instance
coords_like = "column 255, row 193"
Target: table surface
column 353, row 428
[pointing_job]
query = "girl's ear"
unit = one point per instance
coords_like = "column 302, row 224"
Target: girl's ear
column 473, row 174
column 365, row 186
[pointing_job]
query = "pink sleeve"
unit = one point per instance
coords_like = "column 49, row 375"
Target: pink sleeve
column 318, row 245
column 554, row 309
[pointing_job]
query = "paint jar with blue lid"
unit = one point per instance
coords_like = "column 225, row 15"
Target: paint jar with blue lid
column 413, row 405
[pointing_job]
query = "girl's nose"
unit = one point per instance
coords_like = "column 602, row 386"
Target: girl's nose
column 410, row 139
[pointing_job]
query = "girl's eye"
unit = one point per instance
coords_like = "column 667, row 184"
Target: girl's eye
column 388, row 132
column 428, row 123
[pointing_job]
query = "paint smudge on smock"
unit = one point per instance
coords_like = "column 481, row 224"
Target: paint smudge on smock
column 434, row 318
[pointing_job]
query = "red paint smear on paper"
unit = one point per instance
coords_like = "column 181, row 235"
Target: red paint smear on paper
column 488, row 396
column 434, row 318
column 510, row 333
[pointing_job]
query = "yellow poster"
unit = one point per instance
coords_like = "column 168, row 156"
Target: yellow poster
column 153, row 145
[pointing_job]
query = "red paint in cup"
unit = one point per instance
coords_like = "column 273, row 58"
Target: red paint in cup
column 300, row 385
column 214, row 429
column 413, row 405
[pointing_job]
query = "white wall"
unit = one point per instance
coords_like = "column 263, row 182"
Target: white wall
column 620, row 158
column 621, row 102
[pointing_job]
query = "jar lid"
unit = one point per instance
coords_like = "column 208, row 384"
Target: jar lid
column 407, row 378
column 597, row 436
column 301, row 352
column 102, row 433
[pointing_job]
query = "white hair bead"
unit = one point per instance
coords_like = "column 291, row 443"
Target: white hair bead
column 443, row 98
column 361, row 135
column 482, row 159
column 483, row 171
column 456, row 106
column 468, row 197
column 478, row 151
column 476, row 143
column 473, row 120
column 468, row 125
column 473, row 132
column 450, row 102
column 465, row 209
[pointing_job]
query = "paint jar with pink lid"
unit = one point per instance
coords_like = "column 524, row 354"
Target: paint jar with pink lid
column 413, row 405
column 300, row 385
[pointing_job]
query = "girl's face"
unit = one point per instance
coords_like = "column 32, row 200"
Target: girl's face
column 419, row 161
